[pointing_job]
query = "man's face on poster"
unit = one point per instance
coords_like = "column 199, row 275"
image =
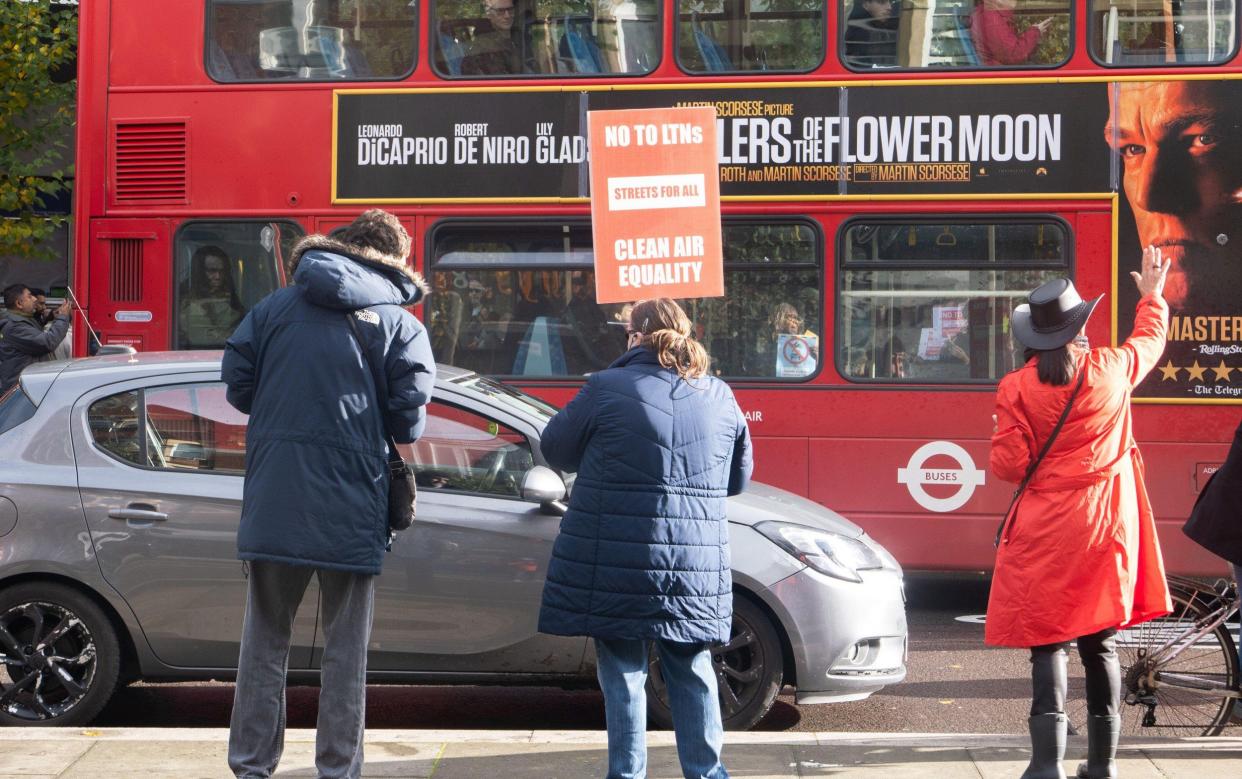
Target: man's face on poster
column 1181, row 147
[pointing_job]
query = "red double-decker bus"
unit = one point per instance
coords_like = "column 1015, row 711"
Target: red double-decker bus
column 894, row 177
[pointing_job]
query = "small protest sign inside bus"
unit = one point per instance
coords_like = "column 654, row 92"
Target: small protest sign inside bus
column 655, row 204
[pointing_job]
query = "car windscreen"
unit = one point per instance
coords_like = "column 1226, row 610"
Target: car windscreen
column 15, row 408
column 507, row 396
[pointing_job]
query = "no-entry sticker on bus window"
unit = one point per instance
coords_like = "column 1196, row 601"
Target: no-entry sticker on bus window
column 655, row 204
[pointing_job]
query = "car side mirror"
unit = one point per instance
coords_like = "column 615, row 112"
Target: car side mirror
column 544, row 486
column 107, row 349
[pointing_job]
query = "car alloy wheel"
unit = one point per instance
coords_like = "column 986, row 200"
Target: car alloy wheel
column 749, row 671
column 58, row 656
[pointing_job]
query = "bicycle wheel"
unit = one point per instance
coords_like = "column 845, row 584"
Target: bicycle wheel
column 1179, row 696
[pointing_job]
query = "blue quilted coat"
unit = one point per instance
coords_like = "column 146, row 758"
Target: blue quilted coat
column 643, row 551
column 316, row 490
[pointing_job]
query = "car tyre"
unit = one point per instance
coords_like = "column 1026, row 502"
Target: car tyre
column 62, row 656
column 750, row 670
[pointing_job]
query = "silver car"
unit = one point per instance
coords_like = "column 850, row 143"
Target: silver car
column 120, row 490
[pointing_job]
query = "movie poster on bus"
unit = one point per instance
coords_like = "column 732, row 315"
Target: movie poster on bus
column 655, row 204
column 809, row 141
column 1181, row 189
column 887, row 140
column 435, row 145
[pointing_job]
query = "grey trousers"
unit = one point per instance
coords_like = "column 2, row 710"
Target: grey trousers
column 257, row 726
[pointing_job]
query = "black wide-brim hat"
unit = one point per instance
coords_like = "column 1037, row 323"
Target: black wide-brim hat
column 1052, row 315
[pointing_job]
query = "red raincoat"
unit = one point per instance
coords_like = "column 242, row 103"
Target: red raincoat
column 1080, row 553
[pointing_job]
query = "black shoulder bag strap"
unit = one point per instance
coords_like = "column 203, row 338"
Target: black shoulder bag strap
column 393, row 452
column 1030, row 471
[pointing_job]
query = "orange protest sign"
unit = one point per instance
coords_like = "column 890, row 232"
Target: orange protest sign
column 655, row 204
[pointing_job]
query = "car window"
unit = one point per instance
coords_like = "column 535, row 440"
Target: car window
column 185, row 427
column 468, row 452
column 15, row 408
column 114, row 426
column 192, row 427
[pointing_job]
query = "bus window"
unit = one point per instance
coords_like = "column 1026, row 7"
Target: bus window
column 498, row 38
column 1155, row 32
column 519, row 300
column 881, row 34
column 310, row 40
column 748, row 35
column 929, row 302
column 223, row 269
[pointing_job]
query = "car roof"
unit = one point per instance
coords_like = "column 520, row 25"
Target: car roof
column 88, row 372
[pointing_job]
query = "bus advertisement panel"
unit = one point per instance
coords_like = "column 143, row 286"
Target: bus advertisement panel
column 427, row 146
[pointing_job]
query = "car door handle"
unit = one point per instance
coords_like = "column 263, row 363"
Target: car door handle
column 141, row 511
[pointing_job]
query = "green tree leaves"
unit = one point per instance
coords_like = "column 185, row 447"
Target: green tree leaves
column 38, row 48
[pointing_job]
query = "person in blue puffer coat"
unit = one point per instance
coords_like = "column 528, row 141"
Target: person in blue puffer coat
column 315, row 499
column 643, row 551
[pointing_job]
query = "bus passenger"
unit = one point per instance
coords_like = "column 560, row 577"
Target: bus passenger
column 209, row 310
column 445, row 325
column 871, row 34
column 658, row 445
column 1077, row 556
column 497, row 46
column 996, row 40
column 796, row 356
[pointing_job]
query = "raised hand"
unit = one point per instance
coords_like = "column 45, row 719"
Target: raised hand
column 1152, row 274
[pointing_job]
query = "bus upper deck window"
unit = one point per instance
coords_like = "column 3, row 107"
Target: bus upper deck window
column 310, row 40
column 506, row 38
column 729, row 36
column 1154, row 32
column 890, row 34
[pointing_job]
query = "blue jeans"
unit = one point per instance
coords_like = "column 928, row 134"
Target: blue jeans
column 687, row 670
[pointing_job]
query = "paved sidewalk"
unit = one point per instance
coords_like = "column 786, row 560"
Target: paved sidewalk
column 153, row 753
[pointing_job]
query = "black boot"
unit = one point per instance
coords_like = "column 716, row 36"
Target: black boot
column 1102, row 734
column 1047, row 747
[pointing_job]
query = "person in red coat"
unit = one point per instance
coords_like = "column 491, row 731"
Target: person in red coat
column 1078, row 558
column 996, row 40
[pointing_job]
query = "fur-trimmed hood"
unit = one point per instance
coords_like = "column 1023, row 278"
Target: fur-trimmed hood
column 364, row 255
column 335, row 276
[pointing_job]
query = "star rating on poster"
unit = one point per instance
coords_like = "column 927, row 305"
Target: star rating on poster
column 1196, row 372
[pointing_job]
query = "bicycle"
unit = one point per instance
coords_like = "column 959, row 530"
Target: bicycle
column 1179, row 673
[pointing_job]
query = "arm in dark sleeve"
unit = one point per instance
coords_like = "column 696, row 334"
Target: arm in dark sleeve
column 565, row 438
column 411, row 373
column 743, row 463
column 29, row 338
column 240, row 363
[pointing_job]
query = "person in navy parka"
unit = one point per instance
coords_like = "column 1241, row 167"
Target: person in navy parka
column 643, row 551
column 315, row 499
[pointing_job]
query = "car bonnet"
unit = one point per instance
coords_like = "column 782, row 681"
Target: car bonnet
column 763, row 503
